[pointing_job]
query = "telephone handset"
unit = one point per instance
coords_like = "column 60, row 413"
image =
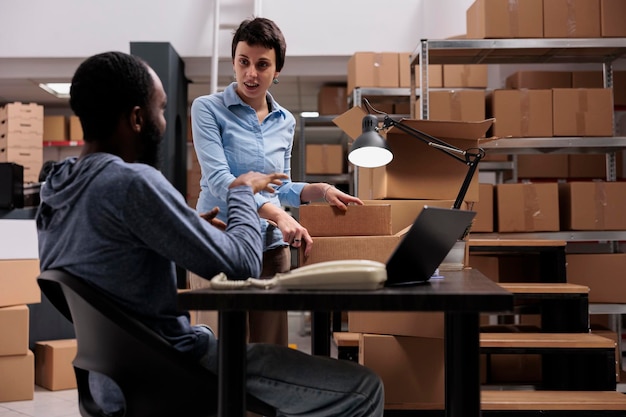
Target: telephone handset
column 353, row 274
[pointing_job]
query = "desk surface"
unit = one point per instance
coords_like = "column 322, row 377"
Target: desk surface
column 459, row 291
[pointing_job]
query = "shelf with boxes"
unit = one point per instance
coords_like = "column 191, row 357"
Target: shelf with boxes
column 575, row 51
column 322, row 152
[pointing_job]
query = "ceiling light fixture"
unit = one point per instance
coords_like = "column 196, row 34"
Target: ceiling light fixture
column 60, row 90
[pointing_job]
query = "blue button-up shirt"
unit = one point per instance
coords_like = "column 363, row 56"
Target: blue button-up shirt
column 230, row 141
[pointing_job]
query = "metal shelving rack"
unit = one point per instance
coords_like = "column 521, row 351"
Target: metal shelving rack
column 322, row 122
column 602, row 51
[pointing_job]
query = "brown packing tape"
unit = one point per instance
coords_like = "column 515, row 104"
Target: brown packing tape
column 465, row 74
column 600, row 204
column 325, row 166
column 514, row 18
column 524, row 111
column 456, row 112
column 378, row 62
column 581, row 112
column 532, row 208
column 571, row 18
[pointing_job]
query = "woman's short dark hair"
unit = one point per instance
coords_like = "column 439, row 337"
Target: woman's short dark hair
column 107, row 86
column 263, row 32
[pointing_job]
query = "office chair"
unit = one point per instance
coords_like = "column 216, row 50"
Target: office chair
column 155, row 378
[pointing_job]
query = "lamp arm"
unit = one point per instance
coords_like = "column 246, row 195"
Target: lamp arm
column 471, row 159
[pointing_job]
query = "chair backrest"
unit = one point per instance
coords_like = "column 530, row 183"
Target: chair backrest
column 155, row 378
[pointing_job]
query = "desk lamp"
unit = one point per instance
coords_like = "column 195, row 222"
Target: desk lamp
column 370, row 150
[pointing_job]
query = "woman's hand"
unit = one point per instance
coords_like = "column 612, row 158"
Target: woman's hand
column 338, row 198
column 259, row 181
column 294, row 233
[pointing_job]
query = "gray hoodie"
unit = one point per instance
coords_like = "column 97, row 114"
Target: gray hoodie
column 123, row 227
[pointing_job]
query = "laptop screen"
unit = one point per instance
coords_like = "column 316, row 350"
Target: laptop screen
column 433, row 233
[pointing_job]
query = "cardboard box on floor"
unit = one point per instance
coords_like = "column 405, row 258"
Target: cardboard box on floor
column 412, row 369
column 17, row 373
column 375, row 218
column 403, row 323
column 417, row 171
column 53, row 364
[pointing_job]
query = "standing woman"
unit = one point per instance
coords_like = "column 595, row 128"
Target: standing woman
column 242, row 129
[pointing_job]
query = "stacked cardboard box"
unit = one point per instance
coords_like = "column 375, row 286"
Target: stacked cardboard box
column 21, row 133
column 19, row 267
column 18, row 287
column 332, row 99
column 553, row 104
column 489, row 19
column 372, row 231
column 325, row 159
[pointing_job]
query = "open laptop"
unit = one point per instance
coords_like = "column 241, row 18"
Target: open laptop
column 429, row 240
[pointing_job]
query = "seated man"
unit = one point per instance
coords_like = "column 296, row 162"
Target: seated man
column 110, row 217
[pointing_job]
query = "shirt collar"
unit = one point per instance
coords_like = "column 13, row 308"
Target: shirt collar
column 231, row 98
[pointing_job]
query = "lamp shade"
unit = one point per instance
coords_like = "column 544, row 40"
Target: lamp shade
column 370, row 150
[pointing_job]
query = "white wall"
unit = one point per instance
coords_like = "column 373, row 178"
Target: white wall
column 79, row 28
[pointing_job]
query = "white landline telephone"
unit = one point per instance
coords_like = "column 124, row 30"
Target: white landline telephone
column 355, row 274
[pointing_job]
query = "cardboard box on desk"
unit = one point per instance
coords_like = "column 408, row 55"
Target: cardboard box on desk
column 412, row 369
column 592, row 205
column 417, row 171
column 333, row 248
column 374, row 218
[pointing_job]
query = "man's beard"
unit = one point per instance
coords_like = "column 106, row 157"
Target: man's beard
column 151, row 139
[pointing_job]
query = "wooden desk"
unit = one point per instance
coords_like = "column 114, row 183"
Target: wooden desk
column 461, row 295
